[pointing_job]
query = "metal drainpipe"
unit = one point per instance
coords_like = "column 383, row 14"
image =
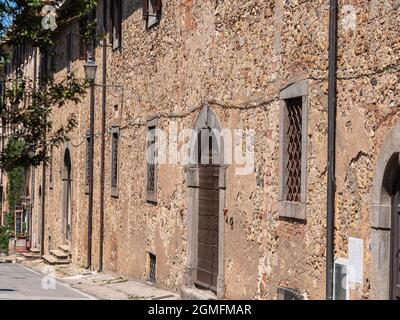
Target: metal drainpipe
column 43, row 200
column 103, row 139
column 331, row 188
column 92, row 55
column 91, row 154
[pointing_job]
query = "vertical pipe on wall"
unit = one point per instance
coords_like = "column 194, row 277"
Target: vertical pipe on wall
column 91, row 56
column 331, row 187
column 103, row 139
column 43, row 194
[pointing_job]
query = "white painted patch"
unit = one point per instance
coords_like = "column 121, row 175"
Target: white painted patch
column 355, row 264
column 349, row 20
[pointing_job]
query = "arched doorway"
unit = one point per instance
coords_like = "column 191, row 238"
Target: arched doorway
column 395, row 241
column 66, row 198
column 206, row 201
column 385, row 221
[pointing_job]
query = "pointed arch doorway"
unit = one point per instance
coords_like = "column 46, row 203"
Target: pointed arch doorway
column 67, row 196
column 206, row 201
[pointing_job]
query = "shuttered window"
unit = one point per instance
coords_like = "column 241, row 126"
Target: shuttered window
column 151, row 174
column 82, row 40
column 116, row 22
column 152, row 10
column 114, row 161
column 69, row 51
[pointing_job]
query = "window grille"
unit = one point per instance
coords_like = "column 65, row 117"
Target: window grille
column 151, row 183
column 294, row 146
column 114, row 161
column 152, row 268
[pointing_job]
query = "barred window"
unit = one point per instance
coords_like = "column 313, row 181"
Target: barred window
column 151, row 184
column 116, row 22
column 293, row 150
column 152, row 12
column 114, row 161
column 294, row 138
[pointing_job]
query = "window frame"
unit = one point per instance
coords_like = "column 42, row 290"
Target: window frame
column 116, row 26
column 151, row 196
column 114, row 188
column 290, row 209
column 156, row 13
column 69, row 51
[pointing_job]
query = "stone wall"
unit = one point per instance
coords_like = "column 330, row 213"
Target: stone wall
column 236, row 56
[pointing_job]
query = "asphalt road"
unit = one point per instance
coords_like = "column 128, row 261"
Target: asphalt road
column 20, row 283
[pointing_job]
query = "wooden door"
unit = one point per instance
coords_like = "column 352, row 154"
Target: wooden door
column 208, row 227
column 395, row 250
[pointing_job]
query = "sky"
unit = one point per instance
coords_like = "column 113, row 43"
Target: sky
column 4, row 20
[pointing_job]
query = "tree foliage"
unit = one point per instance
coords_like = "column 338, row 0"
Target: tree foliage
column 26, row 107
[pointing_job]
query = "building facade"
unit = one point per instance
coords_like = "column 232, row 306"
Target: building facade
column 214, row 174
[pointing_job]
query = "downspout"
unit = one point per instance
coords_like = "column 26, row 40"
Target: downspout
column 43, row 197
column 103, row 139
column 331, row 187
column 91, row 55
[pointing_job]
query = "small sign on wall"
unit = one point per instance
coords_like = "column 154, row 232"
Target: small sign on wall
column 355, row 263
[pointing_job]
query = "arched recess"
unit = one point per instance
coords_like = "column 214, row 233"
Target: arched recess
column 386, row 177
column 66, row 177
column 206, row 176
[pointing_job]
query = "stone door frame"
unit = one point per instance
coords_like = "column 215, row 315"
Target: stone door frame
column 386, row 171
column 207, row 117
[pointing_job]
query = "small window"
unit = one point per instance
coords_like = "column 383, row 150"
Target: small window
column 43, row 74
column 152, row 269
column 293, row 149
column 116, row 22
column 152, row 12
column 87, row 167
column 69, row 51
column 114, row 161
column 82, row 40
column 151, row 183
column 340, row 280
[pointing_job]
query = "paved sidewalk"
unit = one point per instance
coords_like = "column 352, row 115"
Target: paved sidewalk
column 20, row 283
column 102, row 286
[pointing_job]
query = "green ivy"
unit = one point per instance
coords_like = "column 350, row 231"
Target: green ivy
column 16, row 183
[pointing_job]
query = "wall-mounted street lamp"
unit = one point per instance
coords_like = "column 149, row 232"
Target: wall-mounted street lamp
column 90, row 70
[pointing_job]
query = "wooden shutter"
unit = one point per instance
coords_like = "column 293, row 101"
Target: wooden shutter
column 145, row 4
column 157, row 8
column 116, row 17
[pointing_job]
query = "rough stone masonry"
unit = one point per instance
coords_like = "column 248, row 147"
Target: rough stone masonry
column 236, row 57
